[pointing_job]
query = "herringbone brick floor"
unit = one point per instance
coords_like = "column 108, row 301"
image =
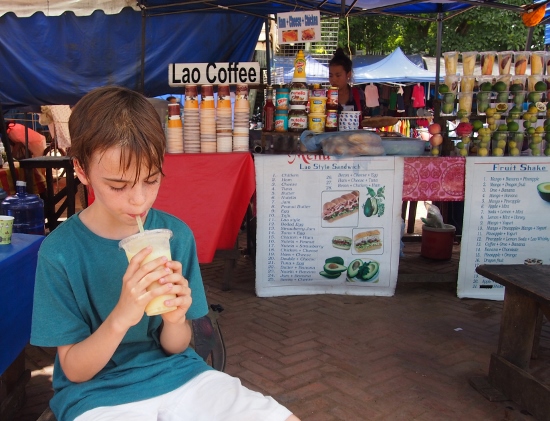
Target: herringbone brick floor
column 347, row 358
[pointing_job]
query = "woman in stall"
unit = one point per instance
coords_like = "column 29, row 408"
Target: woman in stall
column 340, row 74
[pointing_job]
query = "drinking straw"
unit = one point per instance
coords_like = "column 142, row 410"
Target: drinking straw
column 140, row 223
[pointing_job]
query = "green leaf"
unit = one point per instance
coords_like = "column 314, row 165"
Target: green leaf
column 371, row 192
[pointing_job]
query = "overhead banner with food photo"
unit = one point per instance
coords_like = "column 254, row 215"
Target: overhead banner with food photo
column 299, row 27
column 327, row 225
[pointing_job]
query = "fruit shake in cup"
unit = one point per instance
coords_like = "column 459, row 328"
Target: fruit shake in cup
column 448, row 94
column 451, row 62
column 469, row 63
column 484, row 94
column 467, row 83
column 465, row 100
column 504, row 62
column 537, row 62
column 521, row 58
column 159, row 240
column 487, row 61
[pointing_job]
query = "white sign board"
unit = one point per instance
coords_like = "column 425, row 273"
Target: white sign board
column 327, row 225
column 180, row 74
column 299, row 27
column 505, row 219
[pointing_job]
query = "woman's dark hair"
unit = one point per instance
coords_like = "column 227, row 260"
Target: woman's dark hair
column 341, row 59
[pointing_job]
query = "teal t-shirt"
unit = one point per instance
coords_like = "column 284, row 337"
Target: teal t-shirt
column 78, row 283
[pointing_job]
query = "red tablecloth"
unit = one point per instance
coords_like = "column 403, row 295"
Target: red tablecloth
column 209, row 192
column 434, row 178
column 7, row 184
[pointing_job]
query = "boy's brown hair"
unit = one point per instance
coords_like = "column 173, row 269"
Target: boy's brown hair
column 113, row 116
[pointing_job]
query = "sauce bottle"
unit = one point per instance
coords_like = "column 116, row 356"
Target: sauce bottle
column 269, row 112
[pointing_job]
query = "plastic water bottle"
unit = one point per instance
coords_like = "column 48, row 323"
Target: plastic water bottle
column 27, row 210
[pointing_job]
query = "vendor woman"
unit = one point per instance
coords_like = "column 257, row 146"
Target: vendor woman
column 340, row 73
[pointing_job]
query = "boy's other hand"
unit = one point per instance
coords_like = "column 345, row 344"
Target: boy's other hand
column 180, row 287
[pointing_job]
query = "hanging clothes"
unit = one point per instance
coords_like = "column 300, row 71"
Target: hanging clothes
column 393, row 101
column 371, row 96
column 418, row 96
column 400, row 102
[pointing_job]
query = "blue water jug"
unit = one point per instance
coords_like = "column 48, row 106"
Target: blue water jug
column 26, row 209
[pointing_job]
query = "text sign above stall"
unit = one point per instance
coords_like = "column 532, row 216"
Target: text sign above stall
column 180, row 74
column 505, row 207
column 299, row 27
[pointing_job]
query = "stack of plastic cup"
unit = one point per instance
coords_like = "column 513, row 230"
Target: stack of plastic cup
column 191, row 122
column 451, row 62
column 469, row 63
column 174, row 130
column 208, row 120
column 224, row 130
column 241, row 121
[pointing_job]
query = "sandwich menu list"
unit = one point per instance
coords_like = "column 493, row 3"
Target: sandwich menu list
column 505, row 208
column 327, row 225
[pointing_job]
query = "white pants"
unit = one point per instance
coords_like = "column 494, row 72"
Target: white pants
column 211, row 396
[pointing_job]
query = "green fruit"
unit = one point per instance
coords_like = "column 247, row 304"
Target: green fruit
column 368, row 271
column 477, row 124
column 498, row 152
column 515, row 87
column 540, row 86
column 513, row 126
column 443, row 89
column 334, row 268
column 370, row 207
column 353, row 268
column 514, row 151
column 486, row 87
column 335, row 259
column 500, row 86
column 330, row 275
column 447, row 108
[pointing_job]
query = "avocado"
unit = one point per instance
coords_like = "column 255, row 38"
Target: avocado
column 353, row 268
column 368, row 271
column 334, row 268
column 370, row 207
column 544, row 191
column 335, row 259
column 330, row 275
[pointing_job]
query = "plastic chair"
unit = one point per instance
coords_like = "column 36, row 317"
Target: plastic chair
column 207, row 340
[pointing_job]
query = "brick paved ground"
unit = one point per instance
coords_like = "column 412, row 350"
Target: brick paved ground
column 327, row 357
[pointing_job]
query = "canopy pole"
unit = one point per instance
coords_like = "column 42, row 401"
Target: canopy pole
column 529, row 38
column 268, row 49
column 437, row 103
column 141, row 87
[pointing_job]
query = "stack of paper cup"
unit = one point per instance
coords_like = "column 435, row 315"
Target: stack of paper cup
column 191, row 128
column 224, row 130
column 241, row 121
column 174, row 130
column 208, row 119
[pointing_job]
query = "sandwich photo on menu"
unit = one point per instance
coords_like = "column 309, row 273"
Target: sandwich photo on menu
column 341, row 207
column 341, row 242
column 366, row 241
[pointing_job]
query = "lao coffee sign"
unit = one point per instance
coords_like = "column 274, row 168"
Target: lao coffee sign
column 299, row 27
column 180, row 74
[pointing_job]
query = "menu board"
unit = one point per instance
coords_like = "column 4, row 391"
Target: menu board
column 327, row 225
column 506, row 208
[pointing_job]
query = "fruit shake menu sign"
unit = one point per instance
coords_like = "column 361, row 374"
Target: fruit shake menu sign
column 327, row 225
column 506, row 208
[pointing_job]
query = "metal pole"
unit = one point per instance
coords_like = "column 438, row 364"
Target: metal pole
column 529, row 38
column 7, row 147
column 437, row 103
column 141, row 88
column 268, row 49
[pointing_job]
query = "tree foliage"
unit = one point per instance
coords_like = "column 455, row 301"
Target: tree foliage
column 478, row 29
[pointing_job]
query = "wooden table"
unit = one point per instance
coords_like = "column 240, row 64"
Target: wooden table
column 526, row 298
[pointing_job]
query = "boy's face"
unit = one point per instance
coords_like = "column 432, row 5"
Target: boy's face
column 116, row 196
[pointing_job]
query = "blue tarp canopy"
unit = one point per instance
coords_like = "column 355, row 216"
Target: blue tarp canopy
column 54, row 51
column 396, row 67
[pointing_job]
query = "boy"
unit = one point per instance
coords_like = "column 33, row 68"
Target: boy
column 113, row 362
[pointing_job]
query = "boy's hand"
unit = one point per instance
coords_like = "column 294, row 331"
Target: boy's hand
column 180, row 287
column 134, row 295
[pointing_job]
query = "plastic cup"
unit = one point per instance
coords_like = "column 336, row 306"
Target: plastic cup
column 487, row 62
column 535, row 144
column 451, row 62
column 159, row 239
column 6, row 229
column 465, row 100
column 521, row 58
column 515, row 143
column 499, row 143
column 537, row 62
column 483, row 102
column 504, row 62
column 469, row 63
column 532, row 81
column 467, row 83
